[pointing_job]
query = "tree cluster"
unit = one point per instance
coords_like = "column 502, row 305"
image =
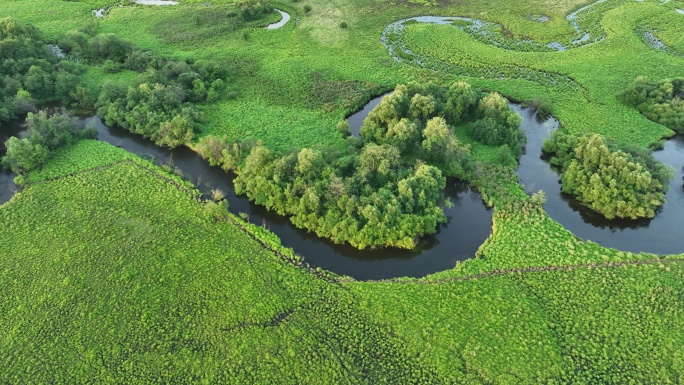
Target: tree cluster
column 160, row 105
column 659, row 101
column 251, row 10
column 386, row 190
column 30, row 72
column 419, row 120
column 616, row 182
column 44, row 135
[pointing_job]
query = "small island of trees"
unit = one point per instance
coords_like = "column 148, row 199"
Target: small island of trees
column 616, row 182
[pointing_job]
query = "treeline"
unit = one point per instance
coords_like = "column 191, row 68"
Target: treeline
column 386, row 190
column 161, row 104
column 45, row 134
column 253, row 9
column 622, row 182
column 401, row 119
column 660, row 101
column 30, row 71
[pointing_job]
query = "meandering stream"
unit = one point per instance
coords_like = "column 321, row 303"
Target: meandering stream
column 660, row 235
column 468, row 227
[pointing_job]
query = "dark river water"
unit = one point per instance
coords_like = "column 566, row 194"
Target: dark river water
column 7, row 186
column 468, row 227
column 469, row 220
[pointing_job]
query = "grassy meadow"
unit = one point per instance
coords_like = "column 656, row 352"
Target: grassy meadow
column 114, row 271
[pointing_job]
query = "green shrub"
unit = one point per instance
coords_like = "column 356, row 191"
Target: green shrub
column 614, row 182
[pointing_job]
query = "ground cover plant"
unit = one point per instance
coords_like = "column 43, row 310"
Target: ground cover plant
column 128, row 278
column 139, row 282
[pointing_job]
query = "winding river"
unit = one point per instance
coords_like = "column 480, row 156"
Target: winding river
column 659, row 235
column 486, row 32
column 468, row 227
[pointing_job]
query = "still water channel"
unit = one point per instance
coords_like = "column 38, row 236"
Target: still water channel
column 469, row 221
column 468, row 227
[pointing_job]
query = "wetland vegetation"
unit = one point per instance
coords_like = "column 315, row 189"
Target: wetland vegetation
column 113, row 269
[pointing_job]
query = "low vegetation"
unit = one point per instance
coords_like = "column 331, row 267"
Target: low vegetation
column 128, row 258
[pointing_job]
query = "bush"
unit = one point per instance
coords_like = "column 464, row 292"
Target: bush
column 307, row 9
column 343, row 127
column 44, row 135
column 111, row 67
column 343, row 25
column 660, row 101
column 616, row 183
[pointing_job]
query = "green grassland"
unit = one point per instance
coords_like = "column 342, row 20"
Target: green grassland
column 307, row 77
column 113, row 271
column 118, row 275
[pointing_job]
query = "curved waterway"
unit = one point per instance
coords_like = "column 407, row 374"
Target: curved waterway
column 468, row 227
column 285, row 17
column 659, row 235
column 487, row 32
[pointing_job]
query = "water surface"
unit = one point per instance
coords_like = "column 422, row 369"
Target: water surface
column 285, row 18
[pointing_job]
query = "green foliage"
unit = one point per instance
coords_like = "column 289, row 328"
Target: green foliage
column 253, row 9
column 659, row 101
column 612, row 182
column 29, row 71
column 23, row 155
column 361, row 196
column 156, row 111
column 44, row 135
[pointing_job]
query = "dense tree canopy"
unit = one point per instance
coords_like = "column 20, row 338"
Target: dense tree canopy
column 622, row 183
column 160, row 105
column 45, row 134
column 386, row 190
column 419, row 120
column 30, row 71
column 659, row 101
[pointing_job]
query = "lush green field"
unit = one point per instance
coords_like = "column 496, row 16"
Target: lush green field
column 305, row 78
column 118, row 274
column 115, row 273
